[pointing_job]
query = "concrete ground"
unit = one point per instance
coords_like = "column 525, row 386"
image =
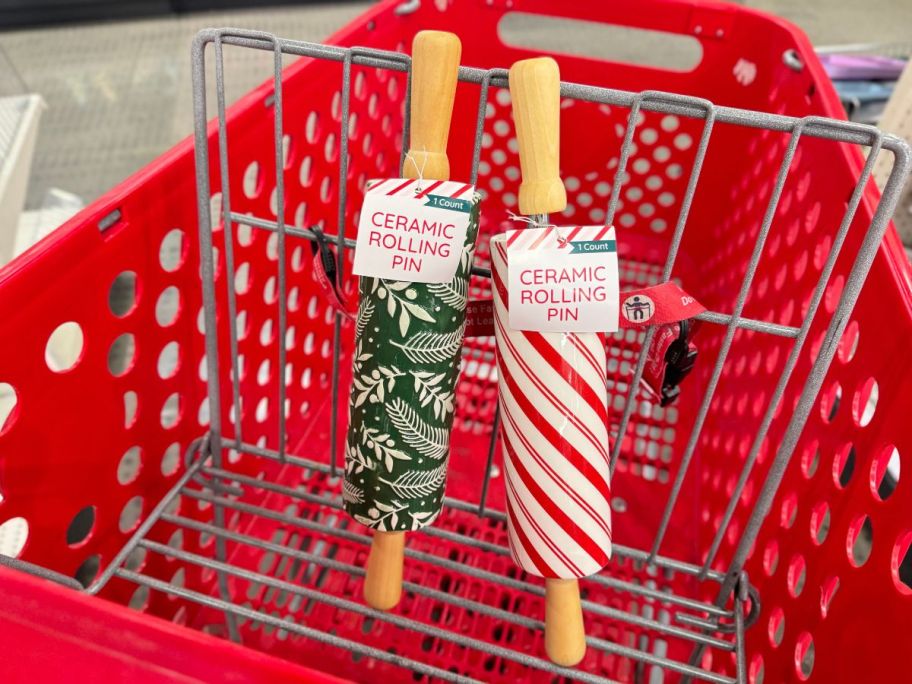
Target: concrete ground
column 118, row 94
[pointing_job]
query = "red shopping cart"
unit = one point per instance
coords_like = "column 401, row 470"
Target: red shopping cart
column 179, row 453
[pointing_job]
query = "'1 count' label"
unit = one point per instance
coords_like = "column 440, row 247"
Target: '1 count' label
column 413, row 230
column 563, row 279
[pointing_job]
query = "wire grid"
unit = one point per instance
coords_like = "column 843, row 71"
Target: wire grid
column 208, row 479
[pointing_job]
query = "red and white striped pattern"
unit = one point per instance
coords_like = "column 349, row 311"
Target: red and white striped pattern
column 562, row 235
column 553, row 396
column 410, row 188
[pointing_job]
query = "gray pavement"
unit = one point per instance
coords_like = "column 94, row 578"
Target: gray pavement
column 118, row 94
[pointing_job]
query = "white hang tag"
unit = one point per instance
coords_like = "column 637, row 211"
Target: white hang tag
column 412, row 230
column 563, row 279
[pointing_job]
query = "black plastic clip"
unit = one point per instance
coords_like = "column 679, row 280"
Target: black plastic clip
column 680, row 358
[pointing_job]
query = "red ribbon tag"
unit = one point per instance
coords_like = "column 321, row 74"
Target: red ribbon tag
column 657, row 305
column 328, row 288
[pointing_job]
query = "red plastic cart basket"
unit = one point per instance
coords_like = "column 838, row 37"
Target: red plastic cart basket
column 182, row 459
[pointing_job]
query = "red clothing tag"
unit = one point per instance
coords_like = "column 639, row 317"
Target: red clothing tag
column 656, row 305
column 479, row 318
column 329, row 290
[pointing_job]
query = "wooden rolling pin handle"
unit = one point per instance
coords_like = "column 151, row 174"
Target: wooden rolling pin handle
column 383, row 578
column 435, row 68
column 565, row 634
column 535, row 91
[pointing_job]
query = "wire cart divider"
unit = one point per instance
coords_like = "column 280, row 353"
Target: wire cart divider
column 208, row 479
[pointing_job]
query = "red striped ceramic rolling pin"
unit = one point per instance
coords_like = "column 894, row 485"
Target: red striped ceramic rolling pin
column 552, row 398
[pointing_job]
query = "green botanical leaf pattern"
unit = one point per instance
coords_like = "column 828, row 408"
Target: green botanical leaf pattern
column 408, row 339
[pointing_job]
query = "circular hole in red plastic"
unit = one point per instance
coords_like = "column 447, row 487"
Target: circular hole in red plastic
column 829, row 401
column 122, row 354
column 810, row 459
column 270, row 291
column 771, row 557
column 272, row 246
column 885, row 471
column 202, row 414
column 267, row 332
column 13, row 537
column 797, row 575
column 129, row 466
column 848, row 343
column 171, row 459
column 844, row 466
column 776, row 629
column 168, row 306
column 820, row 522
column 264, row 372
column 80, row 528
column 140, row 598
column 215, row 210
column 822, row 251
column 131, row 404
column 804, row 656
column 901, row 563
column 860, row 540
column 864, row 403
column 756, row 671
column 799, row 267
column 178, row 580
column 253, row 180
column 789, row 510
column 64, row 347
column 305, row 174
column 169, row 360
column 136, row 560
column 242, row 279
column 173, row 250
column 811, row 217
column 122, row 296
column 312, row 127
column 827, row 594
column 88, row 570
column 176, row 541
column 171, row 410
column 262, row 410
column 130, row 514
column 288, row 148
column 9, row 408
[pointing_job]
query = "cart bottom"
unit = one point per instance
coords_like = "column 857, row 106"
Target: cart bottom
column 276, row 564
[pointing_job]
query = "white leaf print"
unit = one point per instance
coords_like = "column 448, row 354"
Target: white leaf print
column 428, row 387
column 454, row 294
column 351, row 493
column 418, row 483
column 365, row 311
column 427, row 440
column 432, row 347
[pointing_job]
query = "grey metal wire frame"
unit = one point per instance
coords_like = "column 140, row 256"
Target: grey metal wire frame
column 719, row 624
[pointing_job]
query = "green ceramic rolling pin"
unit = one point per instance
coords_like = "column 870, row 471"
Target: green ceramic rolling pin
column 408, row 340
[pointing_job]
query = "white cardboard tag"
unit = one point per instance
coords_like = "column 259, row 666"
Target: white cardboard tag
column 563, row 279
column 413, row 230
